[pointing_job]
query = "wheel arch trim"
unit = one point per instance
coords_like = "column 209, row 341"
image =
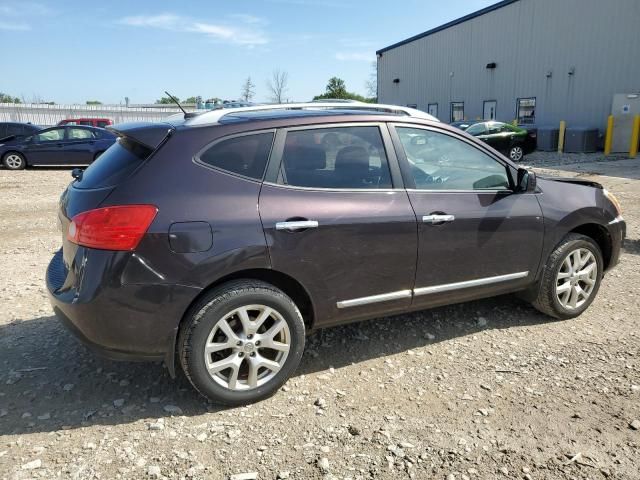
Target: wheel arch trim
column 289, row 285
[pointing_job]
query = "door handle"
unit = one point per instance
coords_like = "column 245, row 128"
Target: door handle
column 436, row 219
column 295, row 225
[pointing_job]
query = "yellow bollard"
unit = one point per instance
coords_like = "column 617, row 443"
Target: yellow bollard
column 563, row 128
column 635, row 136
column 608, row 139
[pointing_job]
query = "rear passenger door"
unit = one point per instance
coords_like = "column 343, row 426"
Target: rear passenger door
column 79, row 146
column 337, row 219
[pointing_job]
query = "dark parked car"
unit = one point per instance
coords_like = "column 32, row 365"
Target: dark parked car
column 11, row 129
column 217, row 241
column 56, row 146
column 462, row 125
column 515, row 142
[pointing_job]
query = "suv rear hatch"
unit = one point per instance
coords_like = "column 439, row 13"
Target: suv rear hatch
column 135, row 147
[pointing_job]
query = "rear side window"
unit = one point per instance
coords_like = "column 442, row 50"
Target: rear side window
column 340, row 157
column 114, row 165
column 246, row 155
column 79, row 134
column 102, row 123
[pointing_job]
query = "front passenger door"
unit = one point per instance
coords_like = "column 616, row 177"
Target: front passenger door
column 476, row 237
column 45, row 147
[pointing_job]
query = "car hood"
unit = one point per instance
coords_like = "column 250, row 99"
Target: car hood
column 573, row 180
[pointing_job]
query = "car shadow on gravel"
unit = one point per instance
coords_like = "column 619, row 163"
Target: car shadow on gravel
column 632, row 246
column 49, row 381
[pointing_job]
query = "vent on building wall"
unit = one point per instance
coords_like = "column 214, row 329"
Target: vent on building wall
column 396, row 80
column 492, row 65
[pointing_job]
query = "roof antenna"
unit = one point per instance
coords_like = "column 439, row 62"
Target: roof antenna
column 175, row 100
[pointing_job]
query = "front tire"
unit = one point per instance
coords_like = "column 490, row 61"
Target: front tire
column 571, row 278
column 14, row 161
column 241, row 342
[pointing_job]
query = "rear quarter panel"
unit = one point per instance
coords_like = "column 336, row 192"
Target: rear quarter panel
column 184, row 191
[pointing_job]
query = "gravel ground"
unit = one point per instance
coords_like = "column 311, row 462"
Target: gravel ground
column 489, row 389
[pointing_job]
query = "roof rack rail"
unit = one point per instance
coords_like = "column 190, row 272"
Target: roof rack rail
column 214, row 116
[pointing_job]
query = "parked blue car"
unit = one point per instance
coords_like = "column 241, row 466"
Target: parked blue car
column 70, row 145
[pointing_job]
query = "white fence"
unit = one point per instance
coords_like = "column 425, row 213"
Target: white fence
column 48, row 115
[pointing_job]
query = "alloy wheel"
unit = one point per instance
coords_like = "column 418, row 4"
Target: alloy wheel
column 13, row 161
column 516, row 153
column 247, row 347
column 576, row 278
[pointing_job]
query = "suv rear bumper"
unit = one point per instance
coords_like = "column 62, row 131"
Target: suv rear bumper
column 121, row 322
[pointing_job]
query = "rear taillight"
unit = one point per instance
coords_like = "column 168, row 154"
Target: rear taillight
column 112, row 228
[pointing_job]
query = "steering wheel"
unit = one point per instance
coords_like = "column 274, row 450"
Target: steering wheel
column 421, row 177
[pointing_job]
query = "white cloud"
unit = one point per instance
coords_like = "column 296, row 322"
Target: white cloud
column 164, row 20
column 22, row 8
column 239, row 35
column 249, row 19
column 18, row 13
column 355, row 57
column 16, row 27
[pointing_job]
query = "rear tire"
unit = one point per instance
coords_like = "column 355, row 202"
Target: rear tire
column 14, row 161
column 516, row 153
column 571, row 278
column 241, row 342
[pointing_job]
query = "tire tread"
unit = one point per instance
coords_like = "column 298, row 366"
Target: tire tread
column 545, row 300
column 218, row 295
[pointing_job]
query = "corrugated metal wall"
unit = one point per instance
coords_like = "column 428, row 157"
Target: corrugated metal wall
column 48, row 115
column 527, row 39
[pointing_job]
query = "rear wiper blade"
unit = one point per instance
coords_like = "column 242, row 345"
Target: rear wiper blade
column 77, row 174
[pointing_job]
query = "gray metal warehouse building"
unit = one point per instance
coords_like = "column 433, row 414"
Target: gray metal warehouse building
column 537, row 61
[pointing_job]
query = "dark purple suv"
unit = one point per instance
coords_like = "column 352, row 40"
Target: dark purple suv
column 217, row 241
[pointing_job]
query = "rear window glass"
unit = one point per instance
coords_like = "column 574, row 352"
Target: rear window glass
column 246, row 155
column 114, row 165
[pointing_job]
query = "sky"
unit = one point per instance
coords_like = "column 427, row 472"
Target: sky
column 70, row 51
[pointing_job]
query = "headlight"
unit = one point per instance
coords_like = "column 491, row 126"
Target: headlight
column 612, row 198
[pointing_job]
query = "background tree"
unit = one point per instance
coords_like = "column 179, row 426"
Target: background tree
column 4, row 98
column 166, row 101
column 372, row 84
column 191, row 100
column 93, row 102
column 278, row 85
column 337, row 89
column 248, row 90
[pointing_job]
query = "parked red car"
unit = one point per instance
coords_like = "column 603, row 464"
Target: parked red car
column 90, row 122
